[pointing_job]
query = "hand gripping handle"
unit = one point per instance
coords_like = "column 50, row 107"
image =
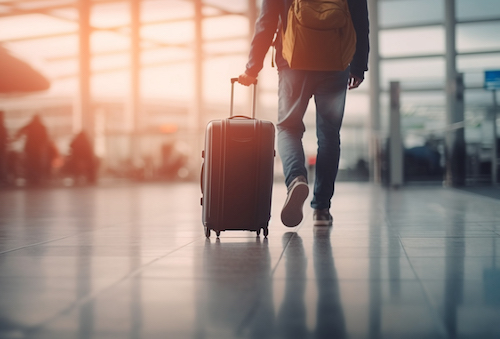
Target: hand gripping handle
column 254, row 97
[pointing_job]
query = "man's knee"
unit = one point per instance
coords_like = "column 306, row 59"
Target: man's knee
column 293, row 129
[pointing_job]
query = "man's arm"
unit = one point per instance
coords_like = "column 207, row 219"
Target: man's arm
column 359, row 63
column 265, row 27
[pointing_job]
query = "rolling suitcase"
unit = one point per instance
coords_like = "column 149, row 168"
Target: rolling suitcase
column 237, row 173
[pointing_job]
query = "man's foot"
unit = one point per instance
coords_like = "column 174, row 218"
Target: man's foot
column 291, row 214
column 322, row 217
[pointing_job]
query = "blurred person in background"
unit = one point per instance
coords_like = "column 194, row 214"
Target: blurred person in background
column 82, row 162
column 172, row 162
column 37, row 151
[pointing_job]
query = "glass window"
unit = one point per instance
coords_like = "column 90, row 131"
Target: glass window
column 413, row 70
column 476, row 9
column 478, row 37
column 411, row 41
column 410, row 12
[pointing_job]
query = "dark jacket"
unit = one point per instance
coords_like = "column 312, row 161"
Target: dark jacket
column 274, row 11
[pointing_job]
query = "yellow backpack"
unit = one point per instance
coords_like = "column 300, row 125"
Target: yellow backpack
column 319, row 36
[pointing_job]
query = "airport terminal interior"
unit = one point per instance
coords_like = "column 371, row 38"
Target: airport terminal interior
column 104, row 238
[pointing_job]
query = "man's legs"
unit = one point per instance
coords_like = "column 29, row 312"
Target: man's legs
column 294, row 95
column 293, row 100
column 330, row 97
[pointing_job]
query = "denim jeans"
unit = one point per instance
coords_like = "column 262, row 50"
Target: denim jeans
column 296, row 88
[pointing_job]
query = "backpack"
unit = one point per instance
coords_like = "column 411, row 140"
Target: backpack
column 319, row 35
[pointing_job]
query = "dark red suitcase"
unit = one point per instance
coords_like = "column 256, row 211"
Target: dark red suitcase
column 237, row 174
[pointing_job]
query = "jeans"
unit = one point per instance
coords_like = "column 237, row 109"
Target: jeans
column 296, row 87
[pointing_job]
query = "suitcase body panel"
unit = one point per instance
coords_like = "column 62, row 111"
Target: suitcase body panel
column 238, row 174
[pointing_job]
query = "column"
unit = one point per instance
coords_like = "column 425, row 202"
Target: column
column 494, row 148
column 135, row 64
column 395, row 138
column 196, row 116
column 374, row 81
column 134, row 100
column 84, row 106
column 455, row 137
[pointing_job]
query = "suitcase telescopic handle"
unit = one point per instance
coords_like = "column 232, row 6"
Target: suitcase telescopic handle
column 254, row 97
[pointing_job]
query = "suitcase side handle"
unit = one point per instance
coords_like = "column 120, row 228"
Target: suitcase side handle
column 254, row 97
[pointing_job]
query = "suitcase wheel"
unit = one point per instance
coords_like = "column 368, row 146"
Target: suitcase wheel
column 217, row 233
column 207, row 232
column 266, row 231
column 258, row 232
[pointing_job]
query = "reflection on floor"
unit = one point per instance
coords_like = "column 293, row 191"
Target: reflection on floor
column 132, row 262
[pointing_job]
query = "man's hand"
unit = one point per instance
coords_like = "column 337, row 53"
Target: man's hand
column 354, row 81
column 246, row 79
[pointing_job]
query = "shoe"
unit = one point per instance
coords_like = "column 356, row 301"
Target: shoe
column 322, row 217
column 291, row 214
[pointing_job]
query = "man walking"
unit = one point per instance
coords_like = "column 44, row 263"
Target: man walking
column 297, row 84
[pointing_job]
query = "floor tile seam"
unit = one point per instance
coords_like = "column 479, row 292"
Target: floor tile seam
column 278, row 261
column 459, row 256
column 53, row 240
column 483, row 236
column 90, row 296
column 37, row 244
column 469, row 193
column 492, row 234
column 440, row 326
column 464, row 280
column 190, row 279
column 497, row 256
column 283, row 278
column 339, row 279
column 345, row 257
column 145, row 265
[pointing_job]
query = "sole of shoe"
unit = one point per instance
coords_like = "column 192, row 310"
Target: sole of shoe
column 291, row 214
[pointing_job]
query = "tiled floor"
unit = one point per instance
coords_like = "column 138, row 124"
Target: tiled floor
column 131, row 261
